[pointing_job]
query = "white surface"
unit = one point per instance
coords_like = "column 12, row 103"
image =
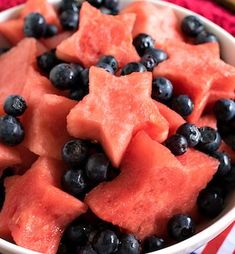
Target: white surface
column 212, row 228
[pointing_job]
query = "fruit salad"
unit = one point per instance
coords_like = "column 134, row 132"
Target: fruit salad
column 116, row 127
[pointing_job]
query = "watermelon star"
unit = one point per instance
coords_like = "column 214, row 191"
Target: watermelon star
column 114, row 109
column 99, row 35
column 36, row 212
column 196, row 70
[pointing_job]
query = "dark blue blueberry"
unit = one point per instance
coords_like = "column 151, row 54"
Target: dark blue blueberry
column 76, row 94
column 128, row 245
column 105, row 242
column 77, row 68
column 205, row 37
column 191, row 133
column 84, row 80
column 69, row 20
column 74, row 151
column 15, row 105
column 73, row 5
column 112, row 4
column 162, row 89
column 228, row 180
column 133, row 67
column 51, row 30
column 177, row 144
column 224, row 110
column 63, row 76
column 153, row 243
column 63, row 249
column 183, row 105
column 225, row 163
column 4, row 50
column 78, row 233
column 34, row 25
column 11, row 131
column 96, row 3
column 192, row 26
column 109, row 60
column 210, row 203
column 210, row 140
column 143, row 42
column 181, row 227
column 106, row 67
column 224, row 129
column 105, row 10
column 86, row 250
column 47, row 61
column 152, row 57
column 74, row 182
column 97, row 168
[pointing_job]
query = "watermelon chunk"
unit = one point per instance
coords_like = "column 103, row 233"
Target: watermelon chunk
column 38, row 225
column 151, row 19
column 98, row 35
column 47, row 131
column 114, row 110
column 207, row 120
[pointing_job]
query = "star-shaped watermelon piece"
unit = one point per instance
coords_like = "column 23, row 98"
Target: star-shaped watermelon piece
column 36, row 211
column 196, row 70
column 100, row 34
column 114, row 109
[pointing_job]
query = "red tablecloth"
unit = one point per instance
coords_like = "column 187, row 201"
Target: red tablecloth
column 225, row 242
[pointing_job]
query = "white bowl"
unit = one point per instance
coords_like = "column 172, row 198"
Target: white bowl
column 207, row 231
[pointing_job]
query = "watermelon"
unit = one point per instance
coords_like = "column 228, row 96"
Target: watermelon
column 114, row 110
column 38, row 225
column 146, row 194
column 207, row 120
column 151, row 20
column 174, row 119
column 100, row 34
column 46, row 135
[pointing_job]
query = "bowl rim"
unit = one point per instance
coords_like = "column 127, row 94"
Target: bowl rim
column 204, row 235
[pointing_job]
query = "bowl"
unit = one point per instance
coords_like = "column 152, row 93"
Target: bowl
column 207, row 230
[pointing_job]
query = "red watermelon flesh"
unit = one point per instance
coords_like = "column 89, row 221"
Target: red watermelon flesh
column 159, row 22
column 146, row 193
column 99, row 35
column 207, row 120
column 38, row 225
column 114, row 110
column 47, row 132
column 173, row 118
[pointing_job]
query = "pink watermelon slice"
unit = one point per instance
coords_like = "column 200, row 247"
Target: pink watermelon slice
column 46, row 132
column 36, row 211
column 114, row 110
column 207, row 120
column 99, row 35
column 160, row 23
column 146, row 194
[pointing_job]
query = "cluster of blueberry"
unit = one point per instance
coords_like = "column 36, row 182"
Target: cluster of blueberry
column 11, row 129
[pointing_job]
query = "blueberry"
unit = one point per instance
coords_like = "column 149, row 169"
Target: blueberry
column 112, row 4
column 4, row 50
column 110, row 60
column 210, row 140
column 63, row 249
column 11, row 131
column 228, row 180
column 77, row 68
column 192, row 26
column 183, row 105
column 224, row 109
column 34, row 25
column 69, row 20
column 191, row 133
column 96, row 3
column 162, row 89
column 205, row 37
column 210, row 203
column 97, row 167
column 84, row 80
column 86, row 250
column 76, row 94
column 73, row 5
column 74, row 151
column 105, row 242
column 153, row 243
column 152, row 57
column 181, row 227
column 225, row 163
column 128, row 245
column 105, row 10
column 51, row 30
column 132, row 67
column 224, row 129
column 78, row 233
column 143, row 42
column 106, row 67
column 74, row 182
column 177, row 144
column 63, row 76
column 47, row 61
column 15, row 105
